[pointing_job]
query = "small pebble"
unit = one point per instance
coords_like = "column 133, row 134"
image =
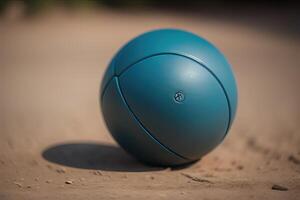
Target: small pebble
column 69, row 182
column 18, row 184
column 48, row 181
column 150, row 177
column 240, row 167
column 61, row 170
column 98, row 172
column 293, row 159
column 279, row 187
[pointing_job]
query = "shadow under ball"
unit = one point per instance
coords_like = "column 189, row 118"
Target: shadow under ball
column 168, row 97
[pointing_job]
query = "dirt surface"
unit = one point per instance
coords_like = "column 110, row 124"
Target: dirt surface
column 54, row 144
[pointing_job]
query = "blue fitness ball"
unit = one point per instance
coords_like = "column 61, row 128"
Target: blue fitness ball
column 168, row 97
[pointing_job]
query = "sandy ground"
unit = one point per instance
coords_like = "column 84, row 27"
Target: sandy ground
column 52, row 132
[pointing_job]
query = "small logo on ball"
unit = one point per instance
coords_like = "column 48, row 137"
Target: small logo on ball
column 179, row 96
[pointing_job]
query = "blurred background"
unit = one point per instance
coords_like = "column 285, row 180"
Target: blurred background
column 52, row 58
column 281, row 14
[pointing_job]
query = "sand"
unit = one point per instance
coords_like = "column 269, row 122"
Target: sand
column 54, row 143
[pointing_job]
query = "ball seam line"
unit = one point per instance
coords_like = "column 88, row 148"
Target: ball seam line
column 142, row 125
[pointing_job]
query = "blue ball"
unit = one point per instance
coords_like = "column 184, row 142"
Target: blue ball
column 168, row 97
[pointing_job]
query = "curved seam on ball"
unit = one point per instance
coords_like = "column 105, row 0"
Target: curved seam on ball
column 111, row 78
column 201, row 63
column 142, row 125
column 106, row 86
column 104, row 90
